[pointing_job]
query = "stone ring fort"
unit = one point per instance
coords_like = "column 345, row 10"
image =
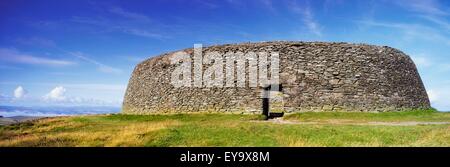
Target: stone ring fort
column 314, row 76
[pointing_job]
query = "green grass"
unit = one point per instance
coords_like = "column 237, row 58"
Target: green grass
column 413, row 115
column 230, row 130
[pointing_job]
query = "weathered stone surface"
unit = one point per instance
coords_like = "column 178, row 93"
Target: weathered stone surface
column 316, row 76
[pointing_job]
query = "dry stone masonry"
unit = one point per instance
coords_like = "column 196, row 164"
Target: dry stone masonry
column 315, row 76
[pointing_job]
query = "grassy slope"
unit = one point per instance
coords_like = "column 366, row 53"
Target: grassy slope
column 414, row 115
column 228, row 130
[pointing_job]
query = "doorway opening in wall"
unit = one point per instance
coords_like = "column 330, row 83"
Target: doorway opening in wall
column 272, row 101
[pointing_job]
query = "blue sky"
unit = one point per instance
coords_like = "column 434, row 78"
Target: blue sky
column 83, row 52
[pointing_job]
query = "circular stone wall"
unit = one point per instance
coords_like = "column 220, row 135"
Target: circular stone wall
column 315, row 76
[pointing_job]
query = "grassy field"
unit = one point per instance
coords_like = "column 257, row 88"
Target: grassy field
column 302, row 129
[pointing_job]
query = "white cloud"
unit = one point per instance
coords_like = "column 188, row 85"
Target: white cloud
column 20, row 92
column 91, row 87
column 307, row 17
column 94, row 21
column 105, row 95
column 424, row 61
column 134, row 59
column 440, row 97
column 433, row 96
column 432, row 11
column 109, row 69
column 36, row 41
column 129, row 22
column 437, row 20
column 15, row 56
column 312, row 25
column 143, row 33
column 56, row 95
column 207, row 4
column 431, row 7
column 411, row 31
column 90, row 101
column 130, row 15
column 100, row 66
column 421, row 60
column 98, row 87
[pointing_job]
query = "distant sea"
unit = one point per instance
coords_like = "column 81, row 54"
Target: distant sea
column 12, row 111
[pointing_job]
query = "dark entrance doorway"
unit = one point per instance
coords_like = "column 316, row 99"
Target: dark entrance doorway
column 271, row 93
